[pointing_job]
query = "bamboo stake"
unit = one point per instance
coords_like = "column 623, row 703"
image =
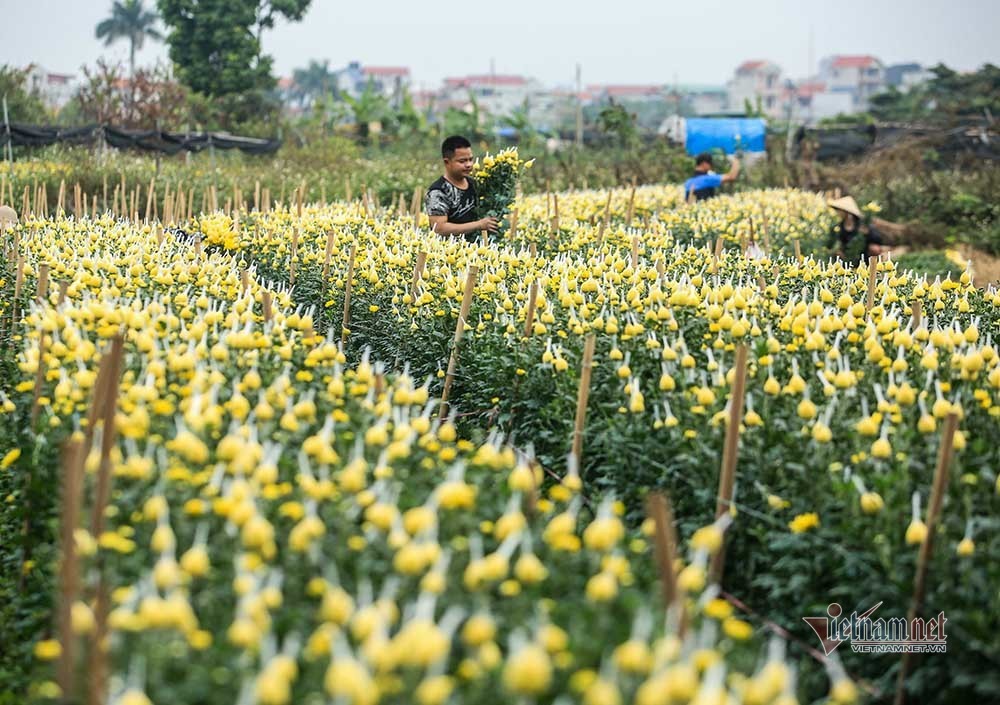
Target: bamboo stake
column 293, row 254
column 658, row 509
column 418, row 272
column 69, row 569
column 189, row 209
column 631, row 207
column 717, row 254
column 256, row 195
column 938, row 490
column 917, row 310
column 329, row 254
column 104, row 203
column 529, row 317
column 93, row 209
column 798, row 250
column 42, row 288
column 265, row 300
column 582, row 396
column 149, row 199
column 63, row 289
column 347, row 296
column 512, row 233
column 729, row 455
column 470, row 285
column 39, row 381
column 102, row 492
column 635, row 252
column 872, row 274
column 61, row 197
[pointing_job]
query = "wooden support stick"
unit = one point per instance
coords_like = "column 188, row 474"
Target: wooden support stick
column 938, row 490
column 872, row 274
column 418, row 272
column 631, row 207
column 470, row 286
column 42, row 288
column 39, row 380
column 635, row 252
column 149, row 199
column 347, row 295
column 102, row 491
column 529, row 316
column 265, row 301
column 729, row 454
column 329, row 254
column 917, row 311
column 582, row 396
column 293, row 254
column 69, row 569
column 658, row 509
column 798, row 250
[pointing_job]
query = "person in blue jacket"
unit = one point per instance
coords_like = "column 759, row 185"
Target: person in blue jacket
column 705, row 183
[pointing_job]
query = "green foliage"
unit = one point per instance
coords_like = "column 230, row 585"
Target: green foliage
column 314, row 83
column 23, row 104
column 129, row 20
column 217, row 54
column 947, row 96
column 616, row 122
column 933, row 263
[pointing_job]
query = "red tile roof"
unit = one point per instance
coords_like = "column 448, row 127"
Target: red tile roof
column 748, row 66
column 853, row 62
column 286, row 82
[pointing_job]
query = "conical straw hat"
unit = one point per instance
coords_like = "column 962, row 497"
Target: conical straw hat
column 846, row 204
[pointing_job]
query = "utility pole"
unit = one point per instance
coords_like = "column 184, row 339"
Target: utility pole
column 579, row 108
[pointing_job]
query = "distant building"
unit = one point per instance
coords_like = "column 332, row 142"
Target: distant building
column 903, row 77
column 860, row 77
column 55, row 89
column 757, row 81
column 497, row 94
column 387, row 81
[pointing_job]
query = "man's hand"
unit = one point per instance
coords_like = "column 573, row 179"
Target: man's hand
column 488, row 223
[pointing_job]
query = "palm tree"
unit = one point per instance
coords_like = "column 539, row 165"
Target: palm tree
column 129, row 20
column 314, row 82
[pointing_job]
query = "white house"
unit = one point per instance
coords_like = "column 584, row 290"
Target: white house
column 861, row 77
column 497, row 94
column 755, row 80
column 55, row 89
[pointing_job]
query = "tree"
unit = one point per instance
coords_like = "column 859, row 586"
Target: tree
column 23, row 104
column 214, row 46
column 156, row 100
column 129, row 20
column 314, row 82
column 371, row 106
column 945, row 97
column 615, row 121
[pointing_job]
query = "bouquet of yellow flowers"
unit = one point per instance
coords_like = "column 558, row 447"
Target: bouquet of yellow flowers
column 496, row 181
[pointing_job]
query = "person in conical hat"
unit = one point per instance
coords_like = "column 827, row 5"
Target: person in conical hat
column 8, row 216
column 854, row 239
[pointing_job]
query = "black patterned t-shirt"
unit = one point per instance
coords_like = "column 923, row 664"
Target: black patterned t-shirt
column 444, row 198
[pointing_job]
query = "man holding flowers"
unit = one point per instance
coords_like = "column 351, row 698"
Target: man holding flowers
column 452, row 201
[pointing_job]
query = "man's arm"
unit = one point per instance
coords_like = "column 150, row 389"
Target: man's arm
column 440, row 225
column 733, row 172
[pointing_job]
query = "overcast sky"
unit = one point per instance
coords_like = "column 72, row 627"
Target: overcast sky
column 615, row 41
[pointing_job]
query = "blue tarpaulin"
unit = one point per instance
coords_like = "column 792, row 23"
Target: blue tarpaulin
column 727, row 134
